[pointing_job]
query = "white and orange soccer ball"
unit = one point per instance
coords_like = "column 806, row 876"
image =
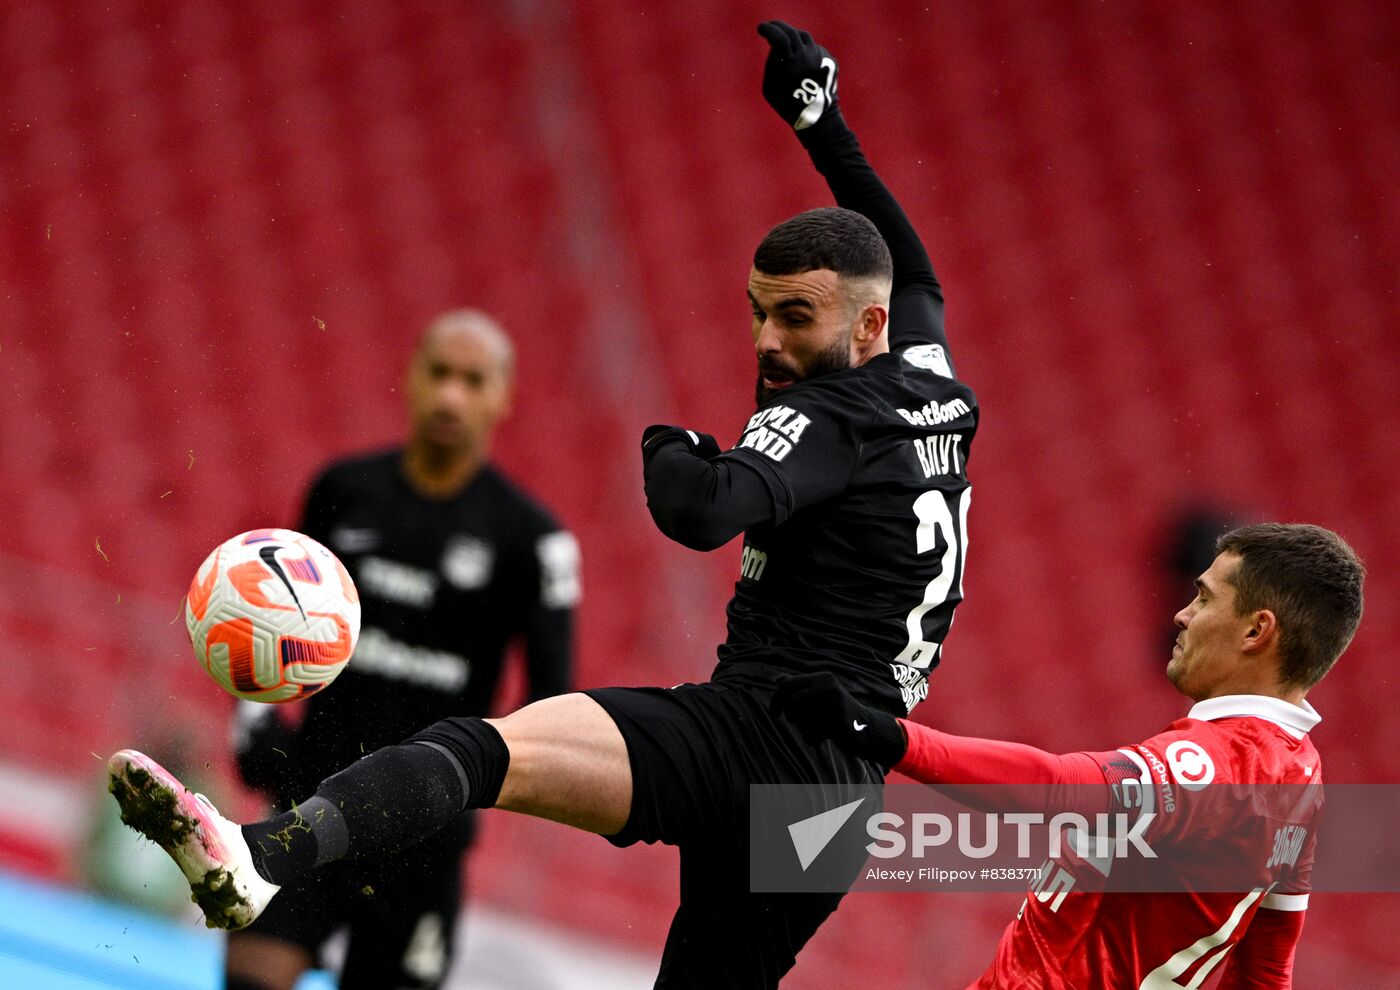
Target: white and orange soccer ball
column 273, row 615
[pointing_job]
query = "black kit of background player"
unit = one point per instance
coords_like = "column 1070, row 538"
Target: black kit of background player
column 447, row 584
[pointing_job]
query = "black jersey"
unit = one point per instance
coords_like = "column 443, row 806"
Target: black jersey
column 861, row 566
column 445, row 586
column 851, row 488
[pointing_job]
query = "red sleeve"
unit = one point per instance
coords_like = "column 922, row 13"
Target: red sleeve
column 1263, row 958
column 951, row 762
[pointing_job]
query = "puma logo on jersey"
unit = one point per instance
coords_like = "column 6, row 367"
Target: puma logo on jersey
column 939, row 455
column 774, row 431
column 937, row 413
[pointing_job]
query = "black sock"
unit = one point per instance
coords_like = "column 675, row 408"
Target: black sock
column 295, row 841
column 393, row 798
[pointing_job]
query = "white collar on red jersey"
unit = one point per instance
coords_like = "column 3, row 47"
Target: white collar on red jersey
column 1296, row 720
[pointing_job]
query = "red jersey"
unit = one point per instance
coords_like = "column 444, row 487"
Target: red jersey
column 1078, row 939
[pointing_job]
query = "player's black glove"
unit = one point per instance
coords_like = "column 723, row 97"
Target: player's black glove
column 822, row 709
column 799, row 78
column 702, row 444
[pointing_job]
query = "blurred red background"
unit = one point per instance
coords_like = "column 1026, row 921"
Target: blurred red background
column 1168, row 235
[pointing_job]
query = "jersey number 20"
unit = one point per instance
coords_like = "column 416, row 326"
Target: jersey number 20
column 934, row 512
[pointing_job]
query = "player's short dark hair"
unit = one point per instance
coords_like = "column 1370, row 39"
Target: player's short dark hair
column 1311, row 580
column 829, row 237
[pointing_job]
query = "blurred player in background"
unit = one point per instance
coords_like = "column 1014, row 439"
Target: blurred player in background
column 453, row 563
column 1272, row 614
column 849, row 484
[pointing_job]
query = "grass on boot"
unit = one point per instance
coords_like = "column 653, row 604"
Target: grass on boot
column 153, row 811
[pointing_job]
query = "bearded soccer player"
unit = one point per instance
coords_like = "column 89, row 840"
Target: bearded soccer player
column 453, row 563
column 849, row 484
column 1271, row 616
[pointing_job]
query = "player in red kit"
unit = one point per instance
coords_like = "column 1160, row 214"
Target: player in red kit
column 1273, row 612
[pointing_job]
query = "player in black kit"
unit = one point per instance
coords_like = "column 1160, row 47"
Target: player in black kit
column 850, row 486
column 453, row 563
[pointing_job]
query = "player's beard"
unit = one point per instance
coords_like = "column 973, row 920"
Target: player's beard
column 837, row 357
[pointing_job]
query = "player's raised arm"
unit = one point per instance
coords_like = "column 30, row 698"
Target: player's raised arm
column 799, row 82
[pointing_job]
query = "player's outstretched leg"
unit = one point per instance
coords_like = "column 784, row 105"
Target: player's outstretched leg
column 209, row 849
column 562, row 758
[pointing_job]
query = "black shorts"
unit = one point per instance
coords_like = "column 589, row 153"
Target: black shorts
column 401, row 912
column 694, row 750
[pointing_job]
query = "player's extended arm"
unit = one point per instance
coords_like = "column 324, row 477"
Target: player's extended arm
column 1263, row 959
column 799, row 82
column 962, row 766
column 698, row 499
column 959, row 766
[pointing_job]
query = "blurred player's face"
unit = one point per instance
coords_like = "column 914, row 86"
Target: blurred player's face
column 459, row 388
column 1206, row 659
column 802, row 327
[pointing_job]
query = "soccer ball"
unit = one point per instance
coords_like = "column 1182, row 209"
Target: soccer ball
column 273, row 615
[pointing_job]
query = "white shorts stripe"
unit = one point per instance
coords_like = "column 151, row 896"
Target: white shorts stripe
column 1285, row 902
